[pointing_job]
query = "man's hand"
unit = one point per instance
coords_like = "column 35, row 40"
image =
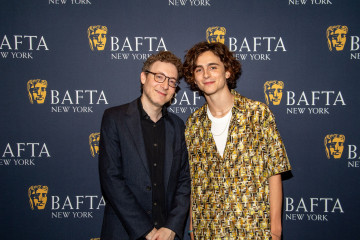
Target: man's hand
column 151, row 234
column 164, row 234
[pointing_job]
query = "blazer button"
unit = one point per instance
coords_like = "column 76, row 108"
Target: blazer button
column 148, row 188
column 149, row 212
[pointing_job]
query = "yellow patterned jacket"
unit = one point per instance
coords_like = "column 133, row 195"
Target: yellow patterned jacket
column 230, row 194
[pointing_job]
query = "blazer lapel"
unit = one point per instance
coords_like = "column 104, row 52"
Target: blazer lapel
column 169, row 147
column 134, row 125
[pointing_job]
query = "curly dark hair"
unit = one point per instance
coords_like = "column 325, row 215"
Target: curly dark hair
column 227, row 58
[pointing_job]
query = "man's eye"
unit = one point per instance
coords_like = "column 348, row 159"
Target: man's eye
column 159, row 77
column 198, row 70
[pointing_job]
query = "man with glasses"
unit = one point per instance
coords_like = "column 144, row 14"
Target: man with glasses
column 143, row 161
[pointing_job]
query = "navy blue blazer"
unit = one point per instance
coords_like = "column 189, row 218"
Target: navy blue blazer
column 125, row 175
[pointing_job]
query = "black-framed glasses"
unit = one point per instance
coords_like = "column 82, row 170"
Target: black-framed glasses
column 160, row 78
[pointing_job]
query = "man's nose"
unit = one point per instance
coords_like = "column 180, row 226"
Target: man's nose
column 165, row 83
column 206, row 73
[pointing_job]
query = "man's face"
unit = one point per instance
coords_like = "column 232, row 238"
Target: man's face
column 217, row 36
column 338, row 39
column 40, row 198
column 336, row 147
column 275, row 94
column 210, row 75
column 99, row 39
column 154, row 93
column 39, row 93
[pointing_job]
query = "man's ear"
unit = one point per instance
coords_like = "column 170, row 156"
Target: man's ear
column 227, row 74
column 143, row 77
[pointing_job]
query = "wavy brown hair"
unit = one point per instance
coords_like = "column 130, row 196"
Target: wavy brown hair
column 227, row 58
column 163, row 56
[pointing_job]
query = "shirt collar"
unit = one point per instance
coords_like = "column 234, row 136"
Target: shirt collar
column 239, row 105
column 143, row 114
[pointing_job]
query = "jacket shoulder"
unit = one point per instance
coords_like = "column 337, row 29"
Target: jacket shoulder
column 252, row 105
column 120, row 109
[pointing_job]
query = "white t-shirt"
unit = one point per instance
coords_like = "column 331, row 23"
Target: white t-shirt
column 220, row 129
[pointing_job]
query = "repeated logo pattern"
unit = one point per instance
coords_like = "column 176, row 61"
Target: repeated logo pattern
column 230, row 195
column 336, row 37
column 36, row 89
column 94, row 139
column 216, row 34
column 334, row 145
column 273, row 91
column 38, row 197
column 97, row 37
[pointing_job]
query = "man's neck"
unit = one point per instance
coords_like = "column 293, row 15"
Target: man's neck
column 221, row 103
column 154, row 112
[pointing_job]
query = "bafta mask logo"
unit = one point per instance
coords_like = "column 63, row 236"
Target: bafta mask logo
column 94, row 143
column 38, row 196
column 273, row 91
column 94, row 238
column 334, row 145
column 336, row 37
column 97, row 37
column 215, row 34
column 37, row 90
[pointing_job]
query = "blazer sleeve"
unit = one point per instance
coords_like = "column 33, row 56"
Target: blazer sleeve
column 180, row 208
column 133, row 217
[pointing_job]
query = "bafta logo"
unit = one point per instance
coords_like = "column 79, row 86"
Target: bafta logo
column 273, row 91
column 97, row 37
column 216, row 34
column 38, row 196
column 334, row 145
column 94, row 238
column 94, row 143
column 336, row 37
column 37, row 90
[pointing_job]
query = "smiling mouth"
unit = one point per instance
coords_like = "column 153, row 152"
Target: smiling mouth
column 208, row 83
column 161, row 93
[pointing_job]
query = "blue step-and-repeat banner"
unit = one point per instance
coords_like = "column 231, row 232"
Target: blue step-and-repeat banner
column 63, row 62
